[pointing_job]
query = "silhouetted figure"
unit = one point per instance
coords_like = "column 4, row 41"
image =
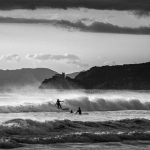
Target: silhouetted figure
column 71, row 111
column 79, row 111
column 58, row 103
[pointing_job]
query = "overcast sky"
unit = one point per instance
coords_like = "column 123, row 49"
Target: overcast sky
column 74, row 39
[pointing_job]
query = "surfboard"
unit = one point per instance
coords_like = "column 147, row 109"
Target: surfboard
column 82, row 113
column 85, row 113
column 65, row 109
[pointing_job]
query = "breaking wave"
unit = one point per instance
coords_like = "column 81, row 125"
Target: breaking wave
column 98, row 104
column 33, row 100
column 108, row 105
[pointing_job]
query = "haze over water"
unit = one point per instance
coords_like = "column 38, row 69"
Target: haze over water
column 70, row 36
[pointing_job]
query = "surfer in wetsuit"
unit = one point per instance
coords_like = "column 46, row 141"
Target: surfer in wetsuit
column 71, row 111
column 58, row 104
column 79, row 111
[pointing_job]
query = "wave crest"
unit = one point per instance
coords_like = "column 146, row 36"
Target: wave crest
column 100, row 104
column 85, row 103
column 64, row 131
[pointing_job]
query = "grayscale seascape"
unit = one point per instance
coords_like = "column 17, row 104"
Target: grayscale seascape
column 111, row 113
column 75, row 74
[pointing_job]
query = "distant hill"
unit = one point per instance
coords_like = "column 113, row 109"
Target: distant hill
column 73, row 75
column 132, row 76
column 23, row 77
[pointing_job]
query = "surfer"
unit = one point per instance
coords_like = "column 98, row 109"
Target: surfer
column 58, row 104
column 71, row 111
column 79, row 111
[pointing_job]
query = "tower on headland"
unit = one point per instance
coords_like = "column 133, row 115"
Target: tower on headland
column 63, row 75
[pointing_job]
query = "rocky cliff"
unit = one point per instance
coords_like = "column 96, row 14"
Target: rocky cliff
column 131, row 76
column 60, row 82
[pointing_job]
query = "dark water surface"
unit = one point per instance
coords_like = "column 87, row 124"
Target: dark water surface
column 128, row 145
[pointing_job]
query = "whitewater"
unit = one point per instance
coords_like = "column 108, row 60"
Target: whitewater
column 34, row 100
column 112, row 119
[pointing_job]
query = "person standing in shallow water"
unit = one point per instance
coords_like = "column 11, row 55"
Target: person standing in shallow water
column 79, row 111
column 58, row 104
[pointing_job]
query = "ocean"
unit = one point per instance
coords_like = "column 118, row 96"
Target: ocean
column 121, row 115
column 138, row 145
